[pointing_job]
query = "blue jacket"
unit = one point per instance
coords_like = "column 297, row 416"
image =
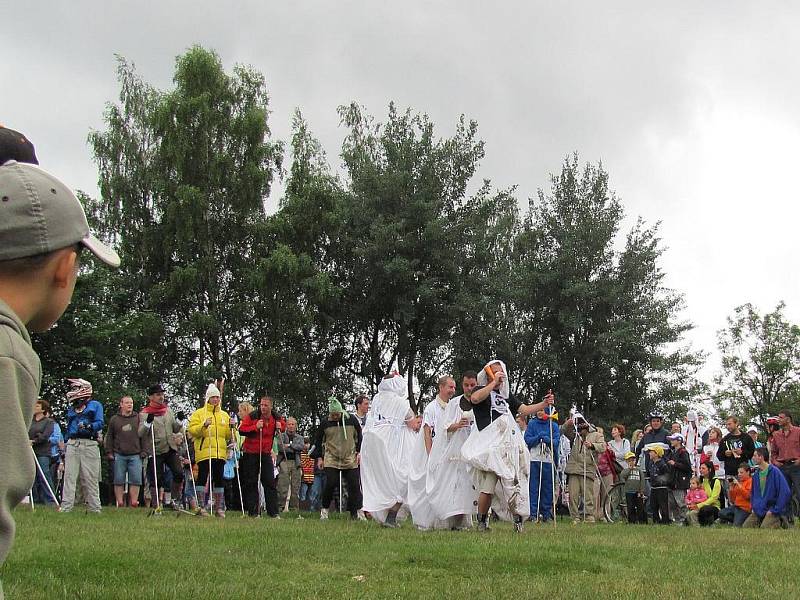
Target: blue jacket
column 776, row 493
column 86, row 424
column 55, row 439
column 538, row 432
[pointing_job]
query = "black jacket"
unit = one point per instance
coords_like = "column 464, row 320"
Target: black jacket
column 731, row 442
column 681, row 470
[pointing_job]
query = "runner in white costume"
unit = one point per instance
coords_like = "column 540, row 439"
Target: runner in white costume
column 386, row 451
column 496, row 450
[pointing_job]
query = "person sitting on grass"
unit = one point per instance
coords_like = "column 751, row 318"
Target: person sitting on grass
column 696, row 493
column 770, row 495
column 634, row 487
column 739, row 491
column 706, row 512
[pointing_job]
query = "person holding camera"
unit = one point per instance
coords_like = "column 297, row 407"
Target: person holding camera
column 739, row 491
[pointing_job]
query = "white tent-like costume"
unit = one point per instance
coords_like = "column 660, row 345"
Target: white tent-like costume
column 449, row 485
column 500, row 448
column 386, row 448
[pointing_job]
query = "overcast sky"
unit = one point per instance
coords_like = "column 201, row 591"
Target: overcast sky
column 693, row 107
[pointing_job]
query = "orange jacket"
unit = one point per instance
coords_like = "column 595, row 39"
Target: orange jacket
column 740, row 494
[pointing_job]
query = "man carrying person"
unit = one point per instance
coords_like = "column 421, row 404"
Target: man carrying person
column 259, row 429
column 496, row 450
column 336, row 449
column 157, row 424
column 291, row 445
column 770, row 495
column 40, row 432
column 82, row 461
column 123, row 449
column 785, row 444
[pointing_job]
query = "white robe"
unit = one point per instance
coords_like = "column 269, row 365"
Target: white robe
column 386, row 449
column 449, row 482
column 500, row 448
column 422, row 513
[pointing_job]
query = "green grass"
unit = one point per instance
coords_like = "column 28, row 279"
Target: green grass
column 124, row 554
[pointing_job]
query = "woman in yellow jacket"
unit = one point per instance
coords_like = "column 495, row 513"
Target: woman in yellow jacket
column 210, row 428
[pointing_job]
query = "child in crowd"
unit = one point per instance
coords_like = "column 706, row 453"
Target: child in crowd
column 660, row 480
column 696, row 493
column 632, row 478
column 307, row 481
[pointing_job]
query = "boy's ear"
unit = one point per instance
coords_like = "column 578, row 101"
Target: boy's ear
column 66, row 265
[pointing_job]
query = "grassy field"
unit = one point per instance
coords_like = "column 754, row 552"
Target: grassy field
column 124, row 554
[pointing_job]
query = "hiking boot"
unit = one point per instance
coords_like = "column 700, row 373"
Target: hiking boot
column 518, row 524
column 323, row 514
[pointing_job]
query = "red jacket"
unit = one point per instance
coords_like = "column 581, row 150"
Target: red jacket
column 251, row 435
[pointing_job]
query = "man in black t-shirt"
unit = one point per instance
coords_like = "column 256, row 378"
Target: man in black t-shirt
column 490, row 403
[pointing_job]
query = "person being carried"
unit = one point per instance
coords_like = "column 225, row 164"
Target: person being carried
column 496, row 449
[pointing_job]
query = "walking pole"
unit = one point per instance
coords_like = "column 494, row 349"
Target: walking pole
column 258, row 483
column 539, row 490
column 41, row 473
column 157, row 509
column 552, row 464
column 189, row 458
column 210, row 478
column 340, row 491
column 236, row 460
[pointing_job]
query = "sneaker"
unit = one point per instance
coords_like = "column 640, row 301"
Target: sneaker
column 323, row 514
column 359, row 516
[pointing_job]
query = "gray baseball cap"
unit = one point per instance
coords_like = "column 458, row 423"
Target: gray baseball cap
column 39, row 214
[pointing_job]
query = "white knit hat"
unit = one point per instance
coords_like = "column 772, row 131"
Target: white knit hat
column 212, row 391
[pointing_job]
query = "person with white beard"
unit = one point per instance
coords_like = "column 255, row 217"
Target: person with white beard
column 693, row 432
column 422, row 512
column 449, row 487
column 385, row 451
column 496, row 450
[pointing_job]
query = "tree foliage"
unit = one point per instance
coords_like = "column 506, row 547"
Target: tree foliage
column 760, row 364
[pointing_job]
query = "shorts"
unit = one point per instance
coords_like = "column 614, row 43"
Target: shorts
column 486, row 482
column 130, row 464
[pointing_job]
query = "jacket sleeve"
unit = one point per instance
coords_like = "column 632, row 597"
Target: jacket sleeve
column 108, row 442
column 196, row 429
column 781, row 504
column 530, row 434
column 682, row 463
column 56, row 437
column 569, row 431
column 748, row 448
column 319, row 447
column 598, row 446
column 98, row 421
column 556, row 439
column 298, row 443
column 144, row 427
column 248, row 427
column 723, row 446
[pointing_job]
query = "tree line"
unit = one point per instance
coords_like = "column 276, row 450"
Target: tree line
column 389, row 261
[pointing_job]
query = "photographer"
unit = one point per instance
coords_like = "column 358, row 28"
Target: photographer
column 739, row 491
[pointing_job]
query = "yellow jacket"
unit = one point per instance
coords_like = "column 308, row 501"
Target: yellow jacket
column 211, row 441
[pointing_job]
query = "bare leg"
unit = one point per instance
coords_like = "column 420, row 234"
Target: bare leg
column 133, row 495
column 119, row 495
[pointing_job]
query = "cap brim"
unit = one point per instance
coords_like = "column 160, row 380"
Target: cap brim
column 101, row 251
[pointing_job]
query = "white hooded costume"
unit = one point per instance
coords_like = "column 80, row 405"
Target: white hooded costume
column 693, row 433
column 449, row 485
column 386, row 448
column 500, row 448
